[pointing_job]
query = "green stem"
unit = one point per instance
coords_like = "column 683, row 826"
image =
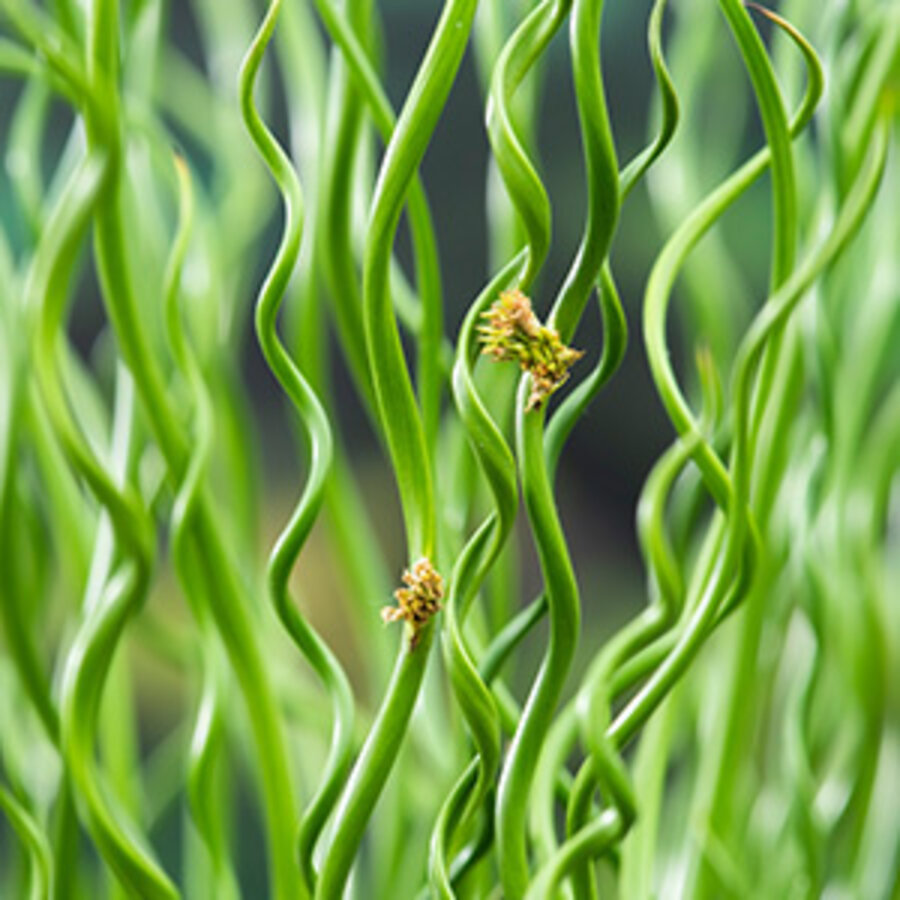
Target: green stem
column 400, row 421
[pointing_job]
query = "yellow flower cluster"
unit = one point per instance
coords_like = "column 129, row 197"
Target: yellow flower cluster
column 513, row 332
column 418, row 601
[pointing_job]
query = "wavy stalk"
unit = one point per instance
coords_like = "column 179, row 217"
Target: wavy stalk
column 19, row 643
column 343, row 129
column 508, row 638
column 490, row 449
column 779, row 306
column 207, row 738
column 564, row 419
column 524, row 47
column 401, row 422
column 35, row 841
column 379, row 327
column 291, row 540
column 615, row 340
column 714, row 591
column 563, row 609
column 428, row 276
column 217, row 566
column 589, row 843
column 718, row 481
column 615, row 328
column 332, row 238
column 593, row 703
column 474, row 562
column 526, row 44
column 560, row 585
column 771, row 396
column 635, row 170
column 553, row 760
column 669, row 263
column 88, row 660
column 601, row 170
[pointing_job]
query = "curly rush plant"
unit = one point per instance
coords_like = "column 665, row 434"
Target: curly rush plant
column 179, row 717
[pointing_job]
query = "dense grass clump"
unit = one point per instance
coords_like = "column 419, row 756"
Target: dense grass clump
column 192, row 707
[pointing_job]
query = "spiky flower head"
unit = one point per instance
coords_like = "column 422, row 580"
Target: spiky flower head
column 418, row 601
column 513, row 332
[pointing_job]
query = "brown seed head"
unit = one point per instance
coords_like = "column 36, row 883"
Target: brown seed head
column 418, row 601
column 513, row 332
